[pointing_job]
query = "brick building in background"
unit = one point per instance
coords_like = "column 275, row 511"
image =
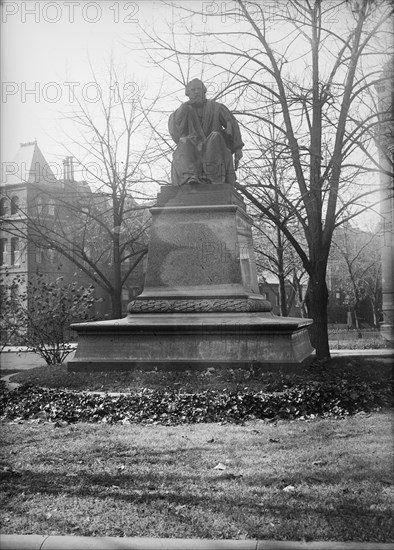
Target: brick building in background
column 31, row 192
column 269, row 289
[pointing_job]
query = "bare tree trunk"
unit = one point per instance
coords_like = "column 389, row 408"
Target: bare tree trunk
column 116, row 305
column 282, row 296
column 317, row 301
column 116, row 297
column 281, row 276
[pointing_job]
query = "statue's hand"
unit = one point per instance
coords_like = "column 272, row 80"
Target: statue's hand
column 229, row 129
column 237, row 157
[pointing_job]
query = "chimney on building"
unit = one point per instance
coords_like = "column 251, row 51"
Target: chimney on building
column 65, row 169
column 68, row 169
column 71, row 168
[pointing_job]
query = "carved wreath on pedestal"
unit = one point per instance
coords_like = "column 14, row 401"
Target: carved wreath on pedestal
column 220, row 305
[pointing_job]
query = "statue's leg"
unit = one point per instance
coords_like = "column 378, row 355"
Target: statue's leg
column 217, row 160
column 186, row 162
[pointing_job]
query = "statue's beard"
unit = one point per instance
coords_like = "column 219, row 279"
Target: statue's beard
column 197, row 101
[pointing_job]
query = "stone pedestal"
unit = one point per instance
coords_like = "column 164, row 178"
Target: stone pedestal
column 201, row 304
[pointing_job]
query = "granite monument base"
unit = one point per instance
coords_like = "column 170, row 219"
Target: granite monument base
column 201, row 304
column 191, row 341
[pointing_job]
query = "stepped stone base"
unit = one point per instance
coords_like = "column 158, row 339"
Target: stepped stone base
column 191, row 341
column 201, row 305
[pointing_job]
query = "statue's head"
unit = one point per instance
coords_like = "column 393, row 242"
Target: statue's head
column 196, row 90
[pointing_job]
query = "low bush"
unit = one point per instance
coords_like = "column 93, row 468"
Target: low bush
column 363, row 343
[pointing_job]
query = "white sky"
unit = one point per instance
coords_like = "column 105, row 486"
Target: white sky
column 50, row 43
column 43, row 56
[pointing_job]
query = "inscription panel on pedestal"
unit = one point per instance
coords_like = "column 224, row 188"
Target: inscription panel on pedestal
column 193, row 248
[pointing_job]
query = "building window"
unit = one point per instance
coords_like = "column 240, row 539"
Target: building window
column 14, row 205
column 90, row 252
column 4, row 207
column 15, row 252
column 14, row 293
column 3, row 300
column 3, row 251
column 39, row 255
column 51, row 209
column 52, row 255
column 42, row 207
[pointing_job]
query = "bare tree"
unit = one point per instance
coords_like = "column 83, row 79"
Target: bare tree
column 101, row 227
column 359, row 272
column 314, row 65
column 276, row 256
column 271, row 177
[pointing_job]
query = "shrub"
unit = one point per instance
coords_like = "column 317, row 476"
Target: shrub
column 38, row 315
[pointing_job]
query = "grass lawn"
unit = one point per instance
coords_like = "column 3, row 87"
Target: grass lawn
column 322, row 479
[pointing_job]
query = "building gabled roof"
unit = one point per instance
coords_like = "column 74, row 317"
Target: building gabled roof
column 28, row 167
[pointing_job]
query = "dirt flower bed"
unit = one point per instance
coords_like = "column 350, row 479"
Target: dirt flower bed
column 338, row 388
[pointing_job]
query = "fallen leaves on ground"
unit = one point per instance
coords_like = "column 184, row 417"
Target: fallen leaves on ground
column 172, row 407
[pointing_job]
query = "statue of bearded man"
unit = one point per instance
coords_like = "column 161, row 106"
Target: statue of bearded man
column 207, row 136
